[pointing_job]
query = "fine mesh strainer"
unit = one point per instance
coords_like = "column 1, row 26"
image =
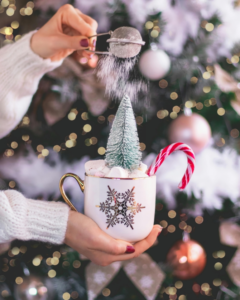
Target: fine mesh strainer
column 125, row 42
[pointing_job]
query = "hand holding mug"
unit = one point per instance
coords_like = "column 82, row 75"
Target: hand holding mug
column 84, row 235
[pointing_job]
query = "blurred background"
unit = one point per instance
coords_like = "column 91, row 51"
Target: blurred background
column 191, row 63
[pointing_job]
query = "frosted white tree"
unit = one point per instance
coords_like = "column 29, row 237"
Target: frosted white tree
column 123, row 143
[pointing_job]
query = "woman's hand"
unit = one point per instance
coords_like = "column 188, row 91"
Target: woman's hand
column 84, row 235
column 67, row 31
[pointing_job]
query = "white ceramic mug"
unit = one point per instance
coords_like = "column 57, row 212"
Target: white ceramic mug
column 122, row 207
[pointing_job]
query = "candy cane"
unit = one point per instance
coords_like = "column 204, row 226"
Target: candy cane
column 167, row 151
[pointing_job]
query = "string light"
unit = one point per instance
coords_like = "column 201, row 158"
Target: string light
column 12, row 184
column 199, row 105
column 199, row 220
column 10, row 11
column 154, row 33
column 161, row 114
column 88, row 142
column 234, row 59
column 87, row 127
column 217, row 282
column 106, row 292
column 164, row 223
column 74, row 295
column 25, row 137
column 194, row 80
column 45, row 152
column 182, row 225
column 111, row 118
column 142, row 146
column 221, row 254
column 139, row 120
column 149, row 25
column 76, row 264
column 4, row 3
column 23, row 249
column 52, row 273
column 176, row 109
column 163, row 83
column 19, row 280
column 84, row 116
column 57, row 254
column 15, row 250
column 206, row 75
column 70, row 143
column 205, row 287
column 172, row 214
column 5, row 293
column 72, row 116
column 206, row 89
column 36, row 261
column 101, row 119
column 94, row 140
column 66, row 296
column 234, row 133
column 54, row 261
column 218, row 266
column 173, row 95
column 57, row 148
column 178, row 284
column 221, row 111
column 17, row 37
column 171, row 228
column 101, row 150
column 173, row 115
column 209, row 27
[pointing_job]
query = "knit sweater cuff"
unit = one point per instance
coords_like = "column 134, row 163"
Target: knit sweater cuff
column 27, row 219
column 47, row 221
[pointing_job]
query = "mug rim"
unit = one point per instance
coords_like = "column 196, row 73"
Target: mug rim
column 117, row 178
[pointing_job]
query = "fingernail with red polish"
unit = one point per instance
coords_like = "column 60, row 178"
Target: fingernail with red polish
column 159, row 233
column 130, row 249
column 84, row 43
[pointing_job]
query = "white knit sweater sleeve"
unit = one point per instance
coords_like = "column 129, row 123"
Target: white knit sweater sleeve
column 26, row 219
column 20, row 72
column 21, row 218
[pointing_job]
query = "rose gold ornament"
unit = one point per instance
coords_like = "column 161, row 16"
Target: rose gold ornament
column 192, row 130
column 187, row 258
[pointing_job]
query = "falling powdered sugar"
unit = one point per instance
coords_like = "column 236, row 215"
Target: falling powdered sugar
column 122, row 77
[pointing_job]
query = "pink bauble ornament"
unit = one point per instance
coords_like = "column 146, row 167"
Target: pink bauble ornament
column 154, row 64
column 192, row 130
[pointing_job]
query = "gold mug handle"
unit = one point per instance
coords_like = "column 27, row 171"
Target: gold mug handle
column 80, row 183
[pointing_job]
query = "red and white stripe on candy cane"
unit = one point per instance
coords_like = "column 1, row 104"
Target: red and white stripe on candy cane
column 167, row 151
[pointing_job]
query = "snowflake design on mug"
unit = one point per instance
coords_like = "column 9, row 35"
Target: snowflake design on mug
column 120, row 208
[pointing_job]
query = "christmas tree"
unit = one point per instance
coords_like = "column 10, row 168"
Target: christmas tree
column 123, row 143
column 69, row 122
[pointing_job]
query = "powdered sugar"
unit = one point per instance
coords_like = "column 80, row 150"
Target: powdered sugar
column 121, row 76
